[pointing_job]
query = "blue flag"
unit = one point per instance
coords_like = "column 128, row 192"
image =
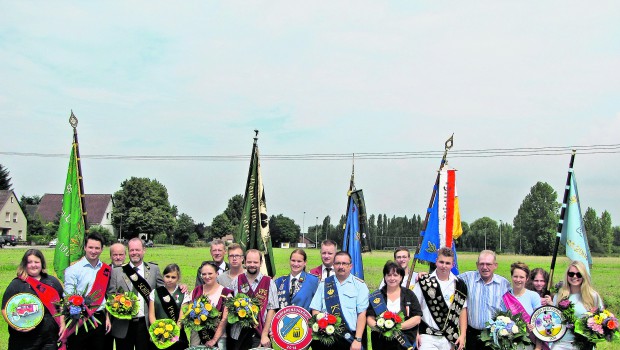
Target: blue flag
column 431, row 240
column 573, row 230
column 352, row 236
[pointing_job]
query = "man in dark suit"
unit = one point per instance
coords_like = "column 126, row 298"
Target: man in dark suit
column 328, row 253
column 141, row 278
column 217, row 256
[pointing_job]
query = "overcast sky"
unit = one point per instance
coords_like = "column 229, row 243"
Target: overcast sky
column 195, row 78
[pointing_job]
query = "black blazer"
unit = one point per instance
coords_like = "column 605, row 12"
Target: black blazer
column 408, row 301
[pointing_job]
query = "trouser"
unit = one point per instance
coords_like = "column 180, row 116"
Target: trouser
column 341, row 343
column 137, row 336
column 248, row 339
column 434, row 342
column 93, row 339
column 472, row 339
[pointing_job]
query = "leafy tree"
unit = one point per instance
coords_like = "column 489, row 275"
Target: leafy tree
column 5, row 180
column 183, row 229
column 200, row 230
column 221, row 226
column 487, row 233
column 593, row 230
column 143, row 206
column 617, row 236
column 536, row 220
column 234, row 210
column 107, row 235
column 607, row 233
column 283, row 229
column 29, row 200
column 327, row 227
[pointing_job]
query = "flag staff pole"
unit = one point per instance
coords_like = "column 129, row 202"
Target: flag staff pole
column 74, row 122
column 561, row 222
column 345, row 239
column 447, row 146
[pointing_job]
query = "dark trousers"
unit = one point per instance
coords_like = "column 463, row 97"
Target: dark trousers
column 248, row 339
column 93, row 339
column 137, row 336
column 109, row 342
column 340, row 343
column 472, row 339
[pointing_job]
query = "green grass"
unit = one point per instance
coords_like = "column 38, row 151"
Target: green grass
column 605, row 271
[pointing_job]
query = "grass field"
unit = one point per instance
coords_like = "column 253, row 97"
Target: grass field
column 604, row 273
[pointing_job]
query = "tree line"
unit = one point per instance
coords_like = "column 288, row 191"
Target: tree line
column 142, row 206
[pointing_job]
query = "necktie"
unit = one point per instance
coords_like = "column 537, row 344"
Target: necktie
column 136, row 268
column 293, row 287
column 329, row 271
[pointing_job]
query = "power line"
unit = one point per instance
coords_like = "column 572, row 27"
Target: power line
column 471, row 153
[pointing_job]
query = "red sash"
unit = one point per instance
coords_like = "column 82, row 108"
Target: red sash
column 261, row 293
column 47, row 294
column 48, row 297
column 100, row 285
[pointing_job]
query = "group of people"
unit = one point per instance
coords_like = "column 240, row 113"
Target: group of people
column 441, row 310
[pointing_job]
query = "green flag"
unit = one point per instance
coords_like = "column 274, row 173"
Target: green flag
column 253, row 231
column 69, row 247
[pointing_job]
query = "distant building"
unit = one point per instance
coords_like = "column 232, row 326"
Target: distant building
column 98, row 209
column 12, row 219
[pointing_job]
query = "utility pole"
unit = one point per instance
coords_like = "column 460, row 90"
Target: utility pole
column 303, row 225
column 500, row 236
column 316, row 233
column 120, row 228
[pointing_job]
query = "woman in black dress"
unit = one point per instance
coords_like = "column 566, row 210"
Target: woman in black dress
column 396, row 299
column 31, row 275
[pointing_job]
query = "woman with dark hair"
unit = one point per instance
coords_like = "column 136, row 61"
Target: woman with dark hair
column 32, row 278
column 394, row 298
column 538, row 281
column 166, row 302
column 298, row 287
column 217, row 295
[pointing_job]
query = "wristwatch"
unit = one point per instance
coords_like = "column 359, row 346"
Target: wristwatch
column 358, row 339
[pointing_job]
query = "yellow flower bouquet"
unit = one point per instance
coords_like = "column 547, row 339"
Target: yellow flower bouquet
column 164, row 333
column 200, row 314
column 243, row 310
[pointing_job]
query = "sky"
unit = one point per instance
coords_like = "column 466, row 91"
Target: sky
column 195, row 78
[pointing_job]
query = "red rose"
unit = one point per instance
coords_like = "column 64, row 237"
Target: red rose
column 388, row 315
column 331, row 319
column 397, row 319
column 322, row 323
column 76, row 300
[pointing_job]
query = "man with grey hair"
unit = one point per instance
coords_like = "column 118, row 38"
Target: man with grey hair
column 484, row 298
column 217, row 256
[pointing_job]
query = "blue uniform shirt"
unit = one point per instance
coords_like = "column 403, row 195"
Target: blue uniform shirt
column 303, row 297
column 483, row 299
column 353, row 295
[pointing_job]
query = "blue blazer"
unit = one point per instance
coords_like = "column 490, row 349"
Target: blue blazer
column 308, row 285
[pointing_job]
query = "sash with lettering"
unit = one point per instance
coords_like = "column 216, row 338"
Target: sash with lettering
column 97, row 293
column 514, row 305
column 48, row 297
column 168, row 303
column 261, row 293
column 332, row 304
column 206, row 334
column 447, row 319
column 378, row 304
column 141, row 285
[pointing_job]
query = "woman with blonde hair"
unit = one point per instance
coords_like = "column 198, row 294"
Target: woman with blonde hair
column 578, row 289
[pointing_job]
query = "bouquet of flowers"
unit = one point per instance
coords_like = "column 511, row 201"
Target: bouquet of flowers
column 75, row 308
column 243, row 310
column 506, row 331
column 568, row 311
column 122, row 305
column 164, row 333
column 597, row 325
column 389, row 323
column 325, row 327
column 200, row 314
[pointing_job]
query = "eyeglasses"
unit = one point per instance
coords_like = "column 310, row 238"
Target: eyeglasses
column 342, row 264
column 235, row 256
column 573, row 274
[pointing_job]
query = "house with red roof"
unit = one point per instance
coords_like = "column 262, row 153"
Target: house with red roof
column 98, row 209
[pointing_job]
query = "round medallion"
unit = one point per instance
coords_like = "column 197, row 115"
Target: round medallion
column 24, row 311
column 290, row 328
column 548, row 323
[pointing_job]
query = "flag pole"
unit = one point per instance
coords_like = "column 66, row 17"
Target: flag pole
column 74, row 122
column 447, row 146
column 351, row 188
column 561, row 222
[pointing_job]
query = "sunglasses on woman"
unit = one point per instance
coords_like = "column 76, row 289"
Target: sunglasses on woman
column 573, row 274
